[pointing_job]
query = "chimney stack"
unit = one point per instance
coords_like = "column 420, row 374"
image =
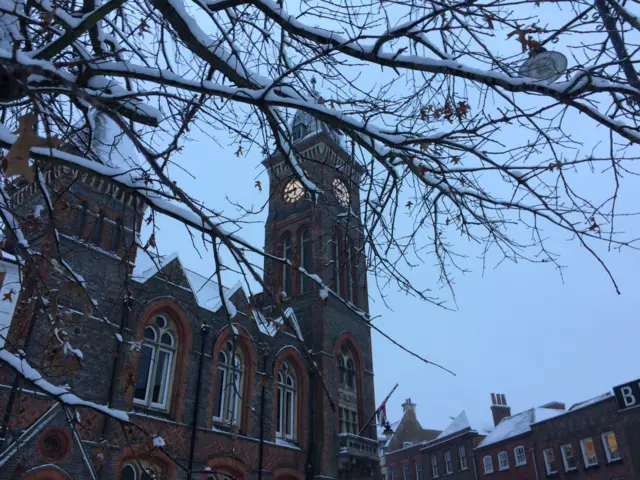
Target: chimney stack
column 499, row 407
column 407, row 405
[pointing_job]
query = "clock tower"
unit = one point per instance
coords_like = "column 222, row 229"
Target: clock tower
column 324, row 237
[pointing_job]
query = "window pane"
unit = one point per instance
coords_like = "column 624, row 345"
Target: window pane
column 611, row 444
column 289, row 414
column 167, row 339
column 589, row 452
column 220, row 385
column 161, row 380
column 146, row 356
column 279, row 411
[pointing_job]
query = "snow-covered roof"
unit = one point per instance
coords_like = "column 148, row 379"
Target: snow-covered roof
column 518, row 424
column 457, row 425
column 271, row 327
column 205, row 290
column 591, row 401
column 381, row 428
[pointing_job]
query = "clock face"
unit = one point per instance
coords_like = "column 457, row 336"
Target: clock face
column 293, row 191
column 341, row 192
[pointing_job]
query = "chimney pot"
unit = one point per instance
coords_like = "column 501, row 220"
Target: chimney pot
column 504, row 399
column 493, row 399
column 499, row 409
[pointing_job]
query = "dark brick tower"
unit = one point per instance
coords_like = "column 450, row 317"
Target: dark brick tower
column 325, row 237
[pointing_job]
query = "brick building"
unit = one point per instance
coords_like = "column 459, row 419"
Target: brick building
column 161, row 346
column 590, row 440
column 595, row 439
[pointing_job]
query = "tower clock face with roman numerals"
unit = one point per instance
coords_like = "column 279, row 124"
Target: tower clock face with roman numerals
column 341, row 192
column 293, row 191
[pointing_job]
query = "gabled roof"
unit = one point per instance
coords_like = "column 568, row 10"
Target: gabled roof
column 205, row 290
column 458, row 424
column 518, row 424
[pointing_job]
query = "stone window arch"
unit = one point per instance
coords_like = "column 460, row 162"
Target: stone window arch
column 289, row 399
column 157, row 363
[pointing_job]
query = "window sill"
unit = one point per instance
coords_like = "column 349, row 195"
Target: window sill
column 571, row 470
column 552, row 474
column 594, row 465
column 616, row 460
column 503, row 469
column 518, row 465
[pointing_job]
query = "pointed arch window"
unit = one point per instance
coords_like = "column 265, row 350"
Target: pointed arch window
column 229, row 382
column 287, row 252
column 96, row 237
column 336, row 280
column 286, row 413
column 116, row 238
column 348, row 404
column 305, row 260
column 82, row 218
column 155, row 370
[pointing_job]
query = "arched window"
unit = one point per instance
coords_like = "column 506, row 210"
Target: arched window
column 351, row 269
column 335, row 264
column 155, row 369
column 116, row 238
column 286, row 412
column 229, row 382
column 347, row 384
column 305, row 260
column 82, row 217
column 287, row 252
column 140, row 469
column 96, row 237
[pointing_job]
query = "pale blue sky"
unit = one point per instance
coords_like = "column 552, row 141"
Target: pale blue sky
column 519, row 329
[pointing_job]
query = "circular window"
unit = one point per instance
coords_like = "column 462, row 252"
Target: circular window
column 293, row 191
column 55, row 444
column 341, row 192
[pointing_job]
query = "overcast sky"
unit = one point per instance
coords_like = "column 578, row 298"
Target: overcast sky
column 519, row 329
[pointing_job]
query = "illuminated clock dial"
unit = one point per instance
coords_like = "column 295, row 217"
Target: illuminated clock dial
column 341, row 192
column 293, row 191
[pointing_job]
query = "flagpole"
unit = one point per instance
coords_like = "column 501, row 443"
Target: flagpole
column 378, row 409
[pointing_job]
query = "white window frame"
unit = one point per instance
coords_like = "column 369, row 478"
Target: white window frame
column 407, row 444
column 405, row 472
column 585, row 458
column 435, row 472
column 235, row 372
column 157, row 347
column 503, row 460
column 462, row 454
column 419, row 472
column 607, row 450
column 524, row 455
column 564, row 457
column 286, row 390
column 547, row 465
column 448, row 463
column 488, row 466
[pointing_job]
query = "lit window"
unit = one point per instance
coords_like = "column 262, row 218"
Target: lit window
column 588, row 452
column 550, row 461
column 229, row 382
column 503, row 461
column 155, row 369
column 519, row 454
column 434, row 466
column 448, row 464
column 568, row 458
column 419, row 473
column 305, row 260
column 405, row 472
column 611, row 446
column 462, row 453
column 287, row 253
column 487, row 462
column 286, row 412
